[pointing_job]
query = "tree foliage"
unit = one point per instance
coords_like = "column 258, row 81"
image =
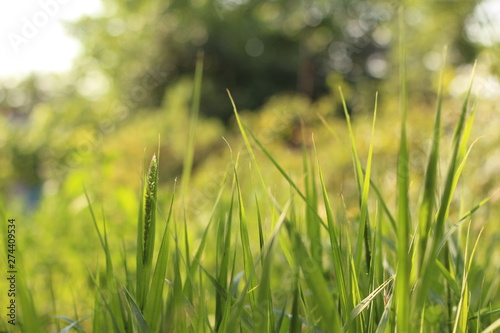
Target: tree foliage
column 259, row 48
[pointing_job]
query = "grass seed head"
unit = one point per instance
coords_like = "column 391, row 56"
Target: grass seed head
column 150, row 201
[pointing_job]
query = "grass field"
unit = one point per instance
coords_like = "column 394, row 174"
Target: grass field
column 277, row 240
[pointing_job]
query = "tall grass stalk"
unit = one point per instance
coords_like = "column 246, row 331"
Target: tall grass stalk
column 402, row 301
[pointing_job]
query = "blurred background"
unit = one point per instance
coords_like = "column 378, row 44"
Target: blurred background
column 87, row 87
column 71, row 74
column 74, row 75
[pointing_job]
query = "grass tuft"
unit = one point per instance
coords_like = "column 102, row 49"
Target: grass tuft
column 298, row 257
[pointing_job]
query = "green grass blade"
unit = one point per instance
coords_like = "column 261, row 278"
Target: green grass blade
column 354, row 153
column 94, row 220
column 365, row 303
column 313, row 227
column 187, row 256
column 204, row 322
column 362, row 184
column 446, row 197
column 264, row 297
column 199, row 252
column 29, row 319
column 139, row 256
column 316, row 283
column 224, row 251
column 195, row 107
column 333, row 132
column 100, row 320
column 449, row 278
column 426, row 211
column 247, row 142
column 457, row 224
column 259, row 222
column 154, row 305
column 493, row 327
column 248, row 262
column 485, row 313
column 385, row 208
column 461, row 320
column 270, row 157
column 280, row 169
column 295, row 324
column 175, row 314
column 114, row 304
column 337, row 254
column 218, row 287
column 73, row 324
column 363, row 233
column 281, row 326
column 452, row 168
column 402, row 294
column 384, row 323
column 237, row 308
column 141, row 321
column 99, row 311
column 373, row 185
column 377, row 269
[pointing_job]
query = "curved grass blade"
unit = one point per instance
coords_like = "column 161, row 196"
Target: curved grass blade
column 492, row 328
column 384, row 323
column 140, row 320
column 367, row 301
column 72, row 323
column 373, row 185
column 273, row 161
column 457, row 224
column 247, row 142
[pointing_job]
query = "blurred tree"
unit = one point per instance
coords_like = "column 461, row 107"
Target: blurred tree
column 258, row 48
column 137, row 51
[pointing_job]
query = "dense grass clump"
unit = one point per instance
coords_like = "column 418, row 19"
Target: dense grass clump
column 293, row 259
